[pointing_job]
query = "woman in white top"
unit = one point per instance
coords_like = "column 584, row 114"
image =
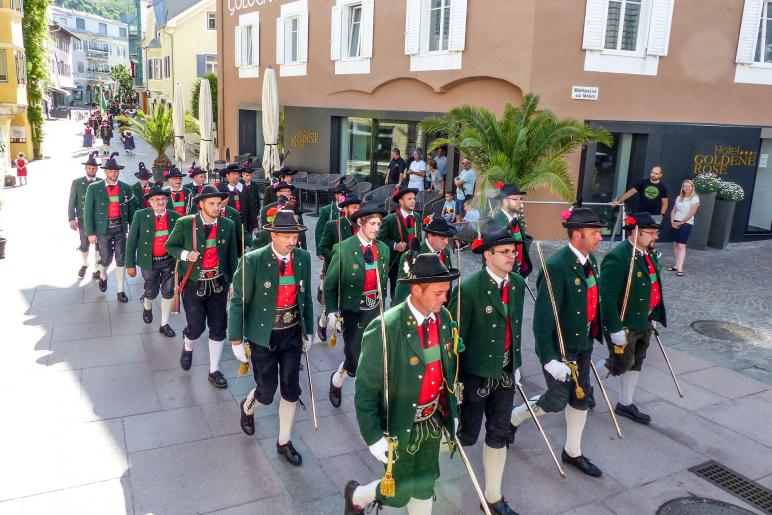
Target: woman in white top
column 417, row 171
column 682, row 220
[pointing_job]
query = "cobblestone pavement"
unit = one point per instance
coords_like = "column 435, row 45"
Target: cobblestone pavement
column 99, row 418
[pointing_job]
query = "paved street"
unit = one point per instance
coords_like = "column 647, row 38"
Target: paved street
column 99, row 418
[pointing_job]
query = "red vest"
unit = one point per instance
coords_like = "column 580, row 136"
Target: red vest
column 236, row 200
column 178, row 201
column 518, row 236
column 161, row 234
column 505, row 301
column 410, row 229
column 145, row 191
column 113, row 194
column 655, row 297
column 371, row 280
column 592, row 304
column 432, row 381
column 211, row 260
column 287, row 294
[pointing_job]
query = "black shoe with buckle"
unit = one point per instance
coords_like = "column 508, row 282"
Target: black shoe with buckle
column 147, row 316
column 288, row 451
column 186, row 358
column 102, row 284
column 335, row 392
column 122, row 297
column 633, row 413
column 247, row 421
column 321, row 332
column 500, row 507
column 348, row 496
column 217, row 379
column 82, row 271
column 582, row 463
column 96, row 275
column 167, row 331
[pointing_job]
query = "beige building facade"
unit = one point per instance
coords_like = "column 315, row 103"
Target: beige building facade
column 685, row 84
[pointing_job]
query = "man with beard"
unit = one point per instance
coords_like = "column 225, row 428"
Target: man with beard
column 628, row 333
column 509, row 217
column 76, row 213
column 251, row 199
column 142, row 187
column 283, row 175
column 231, row 214
column 284, row 193
column 177, row 195
column 198, row 176
column 146, row 246
column 109, row 206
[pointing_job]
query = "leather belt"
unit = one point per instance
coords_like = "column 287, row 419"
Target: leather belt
column 426, row 411
column 209, row 275
column 284, row 318
column 369, row 300
column 114, row 222
column 161, row 258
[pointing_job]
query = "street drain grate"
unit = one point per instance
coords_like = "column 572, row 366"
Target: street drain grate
column 721, row 330
column 700, row 506
column 736, row 484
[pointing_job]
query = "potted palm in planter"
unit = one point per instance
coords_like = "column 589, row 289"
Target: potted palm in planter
column 706, row 185
column 727, row 197
column 157, row 130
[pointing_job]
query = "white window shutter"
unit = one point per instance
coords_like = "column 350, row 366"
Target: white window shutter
column 412, row 27
column 280, row 40
column 335, row 33
column 237, row 46
column 366, row 28
column 303, row 38
column 749, row 31
column 255, row 44
column 457, row 39
column 594, row 24
column 659, row 27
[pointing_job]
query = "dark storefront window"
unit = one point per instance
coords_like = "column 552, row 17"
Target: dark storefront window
column 251, row 133
column 760, row 218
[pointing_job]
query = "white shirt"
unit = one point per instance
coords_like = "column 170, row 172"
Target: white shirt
column 416, row 181
column 160, row 214
column 509, row 217
column 683, row 206
column 279, row 255
column 405, row 214
column 237, row 187
column 495, row 277
column 419, row 317
column 362, row 240
column 582, row 258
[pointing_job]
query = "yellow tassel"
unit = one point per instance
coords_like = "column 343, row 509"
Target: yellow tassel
column 619, row 349
column 244, row 368
column 388, row 485
column 575, row 378
column 333, row 339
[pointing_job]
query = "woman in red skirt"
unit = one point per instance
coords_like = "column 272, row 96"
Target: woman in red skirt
column 21, row 169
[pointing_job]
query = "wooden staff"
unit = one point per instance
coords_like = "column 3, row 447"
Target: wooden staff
column 244, row 367
column 469, row 470
column 629, row 276
column 541, row 430
column 667, row 360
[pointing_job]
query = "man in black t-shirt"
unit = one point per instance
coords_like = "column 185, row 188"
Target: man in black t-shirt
column 652, row 195
column 397, row 167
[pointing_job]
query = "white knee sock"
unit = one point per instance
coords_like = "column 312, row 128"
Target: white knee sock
column 188, row 343
column 419, row 506
column 365, row 494
column 215, row 351
column 102, row 272
column 286, row 416
column 629, row 379
column 166, row 309
column 147, row 303
column 339, row 376
column 120, row 277
column 493, row 465
column 84, row 256
column 575, row 420
column 97, row 258
column 251, row 403
column 520, row 413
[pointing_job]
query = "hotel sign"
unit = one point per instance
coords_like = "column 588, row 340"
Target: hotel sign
column 239, row 5
column 304, row 137
column 723, row 158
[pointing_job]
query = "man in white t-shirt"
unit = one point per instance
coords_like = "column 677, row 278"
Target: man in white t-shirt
column 417, row 171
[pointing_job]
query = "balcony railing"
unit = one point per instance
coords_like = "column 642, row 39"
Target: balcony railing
column 95, row 53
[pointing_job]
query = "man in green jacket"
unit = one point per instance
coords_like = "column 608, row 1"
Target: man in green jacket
column 272, row 312
column 234, row 216
column 76, row 213
column 251, row 196
column 198, row 175
column 421, row 393
column 509, row 217
column 284, row 175
column 109, row 207
column 284, row 194
column 146, row 246
column 628, row 334
column 205, row 243
column 142, row 186
column 399, row 229
column 574, row 277
column 437, row 234
column 178, row 196
column 351, row 293
column 329, row 212
column 490, row 321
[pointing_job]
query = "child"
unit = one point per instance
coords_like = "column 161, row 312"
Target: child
column 472, row 215
column 106, row 133
column 21, row 169
column 449, row 207
column 88, row 136
column 128, row 141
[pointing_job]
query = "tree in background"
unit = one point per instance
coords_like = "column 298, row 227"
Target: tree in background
column 156, row 129
column 35, row 29
column 212, row 78
column 110, row 9
column 122, row 76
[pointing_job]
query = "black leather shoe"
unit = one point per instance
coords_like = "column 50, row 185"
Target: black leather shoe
column 186, row 358
column 95, row 275
column 335, row 392
column 122, row 297
column 102, row 284
column 321, row 332
column 167, row 331
column 288, row 451
column 501, row 507
column 217, row 379
column 82, row 272
column 147, row 316
column 348, row 496
column 247, row 421
column 633, row 413
column 582, row 463
column 591, row 399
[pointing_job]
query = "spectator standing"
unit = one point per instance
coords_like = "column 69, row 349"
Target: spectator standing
column 397, row 167
column 449, row 208
column 682, row 221
column 88, row 136
column 442, row 164
column 21, row 169
column 652, row 195
column 464, row 187
column 416, row 172
column 437, row 181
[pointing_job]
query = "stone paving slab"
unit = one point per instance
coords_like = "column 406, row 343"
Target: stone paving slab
column 272, row 506
column 96, row 352
column 725, row 382
column 749, row 416
column 165, row 428
column 177, row 388
column 102, row 498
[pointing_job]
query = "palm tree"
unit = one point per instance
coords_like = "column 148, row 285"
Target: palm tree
column 157, row 130
column 527, row 146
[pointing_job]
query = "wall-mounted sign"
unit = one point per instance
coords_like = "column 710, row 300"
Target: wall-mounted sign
column 584, row 93
column 18, row 134
column 723, row 158
column 238, row 5
column 304, row 137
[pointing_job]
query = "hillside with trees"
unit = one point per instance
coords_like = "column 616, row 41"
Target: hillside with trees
column 110, row 9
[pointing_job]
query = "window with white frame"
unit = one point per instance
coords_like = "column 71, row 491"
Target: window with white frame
column 210, row 64
column 622, row 25
column 435, row 34
column 754, row 46
column 157, row 69
column 3, row 66
column 167, row 67
column 292, row 38
column 439, row 25
column 211, row 20
column 247, row 46
column 764, row 40
column 354, row 31
column 351, row 37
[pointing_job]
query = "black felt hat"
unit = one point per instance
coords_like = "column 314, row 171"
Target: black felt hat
column 233, row 167
column 350, row 199
column 582, row 217
column 283, row 171
column 112, row 164
column 491, row 237
column 173, row 172
column 641, row 220
column 427, row 268
column 340, row 188
column 284, row 221
column 195, row 170
column 368, row 208
column 505, row 190
column 283, row 186
column 439, row 226
column 91, row 161
column 157, row 189
column 209, row 191
column 403, row 189
column 143, row 172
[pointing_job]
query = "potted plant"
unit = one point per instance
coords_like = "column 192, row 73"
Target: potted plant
column 157, row 130
column 727, row 197
column 706, row 185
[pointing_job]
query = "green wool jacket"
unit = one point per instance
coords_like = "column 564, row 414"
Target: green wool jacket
column 500, row 220
column 615, row 268
column 97, row 204
column 403, row 290
column 139, row 194
column 334, row 232
column 77, row 203
column 483, row 319
column 570, row 288
column 264, row 220
column 406, row 369
column 346, row 275
column 181, row 239
column 191, row 190
column 261, row 239
column 139, row 244
column 393, row 231
column 261, row 282
column 326, row 213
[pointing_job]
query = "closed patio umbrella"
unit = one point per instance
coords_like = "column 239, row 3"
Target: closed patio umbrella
column 178, row 119
column 270, row 106
column 206, row 149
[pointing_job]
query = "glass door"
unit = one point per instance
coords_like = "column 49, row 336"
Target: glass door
column 356, row 147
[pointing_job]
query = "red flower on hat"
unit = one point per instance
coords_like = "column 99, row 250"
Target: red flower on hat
column 565, row 215
column 476, row 244
column 166, row 173
column 427, row 220
column 396, row 191
column 271, row 212
column 630, row 220
column 499, row 185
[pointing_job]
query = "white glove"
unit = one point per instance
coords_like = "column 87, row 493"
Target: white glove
column 558, row 370
column 308, row 341
column 379, row 450
column 331, row 319
column 619, row 339
column 240, row 353
column 517, row 377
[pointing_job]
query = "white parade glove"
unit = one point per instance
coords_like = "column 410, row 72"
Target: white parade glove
column 618, row 338
column 379, row 450
column 238, row 351
column 517, row 377
column 331, row 319
column 558, row 370
column 307, row 342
